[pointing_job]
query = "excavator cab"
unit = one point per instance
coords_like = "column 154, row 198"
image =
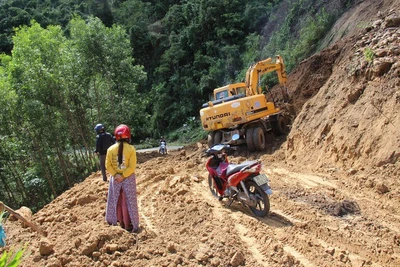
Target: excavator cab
column 226, row 93
column 229, row 90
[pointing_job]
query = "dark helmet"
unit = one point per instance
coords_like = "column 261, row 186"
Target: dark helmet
column 99, row 128
column 122, row 132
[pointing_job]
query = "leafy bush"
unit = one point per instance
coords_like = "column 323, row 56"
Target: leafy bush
column 11, row 259
column 190, row 132
column 147, row 143
column 369, row 54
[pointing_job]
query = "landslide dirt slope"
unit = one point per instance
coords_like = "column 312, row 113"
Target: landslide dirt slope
column 335, row 181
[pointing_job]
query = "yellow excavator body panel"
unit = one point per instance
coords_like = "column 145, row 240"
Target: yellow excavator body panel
column 235, row 110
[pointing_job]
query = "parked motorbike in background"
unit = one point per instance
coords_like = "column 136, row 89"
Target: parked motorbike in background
column 238, row 182
column 163, row 148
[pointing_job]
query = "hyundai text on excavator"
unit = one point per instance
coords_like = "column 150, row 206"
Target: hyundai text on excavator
column 243, row 109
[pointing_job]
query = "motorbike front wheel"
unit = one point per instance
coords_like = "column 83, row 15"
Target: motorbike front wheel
column 262, row 205
column 212, row 186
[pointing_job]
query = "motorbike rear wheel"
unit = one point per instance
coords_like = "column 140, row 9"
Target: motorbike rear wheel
column 212, row 186
column 262, row 206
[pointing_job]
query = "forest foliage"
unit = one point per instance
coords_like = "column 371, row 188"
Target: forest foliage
column 66, row 65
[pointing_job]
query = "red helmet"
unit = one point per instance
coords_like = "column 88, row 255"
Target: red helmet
column 122, row 132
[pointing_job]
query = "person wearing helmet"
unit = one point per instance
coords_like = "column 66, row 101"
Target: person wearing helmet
column 103, row 141
column 164, row 144
column 121, row 164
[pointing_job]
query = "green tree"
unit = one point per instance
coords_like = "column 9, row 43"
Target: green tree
column 62, row 87
column 109, row 78
column 193, row 64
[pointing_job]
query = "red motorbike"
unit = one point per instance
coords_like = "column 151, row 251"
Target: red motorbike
column 238, row 182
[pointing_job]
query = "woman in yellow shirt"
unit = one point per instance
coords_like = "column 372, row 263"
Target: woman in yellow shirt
column 121, row 200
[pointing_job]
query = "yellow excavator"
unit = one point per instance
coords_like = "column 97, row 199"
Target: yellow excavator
column 242, row 109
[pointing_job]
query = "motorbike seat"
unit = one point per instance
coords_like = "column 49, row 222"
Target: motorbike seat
column 232, row 168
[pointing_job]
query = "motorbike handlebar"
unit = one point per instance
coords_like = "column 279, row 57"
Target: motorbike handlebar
column 218, row 149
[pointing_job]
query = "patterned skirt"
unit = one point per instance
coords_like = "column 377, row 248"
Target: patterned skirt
column 122, row 203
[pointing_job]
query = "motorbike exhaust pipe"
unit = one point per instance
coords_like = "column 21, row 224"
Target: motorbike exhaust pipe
column 245, row 191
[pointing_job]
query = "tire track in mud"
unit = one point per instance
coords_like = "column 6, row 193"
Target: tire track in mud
column 281, row 218
column 310, row 181
column 297, row 232
column 277, row 226
column 146, row 218
column 216, row 219
column 241, row 218
column 326, row 232
column 291, row 246
column 276, row 223
column 277, row 219
column 147, row 211
column 251, row 243
column 300, row 257
column 220, row 210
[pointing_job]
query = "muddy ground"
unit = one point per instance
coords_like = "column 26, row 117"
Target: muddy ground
column 316, row 219
column 335, row 179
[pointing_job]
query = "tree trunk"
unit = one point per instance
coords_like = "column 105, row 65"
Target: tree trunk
column 63, row 167
column 42, row 160
column 8, row 190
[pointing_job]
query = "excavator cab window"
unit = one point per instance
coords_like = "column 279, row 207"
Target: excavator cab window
column 240, row 90
column 211, row 96
column 222, row 95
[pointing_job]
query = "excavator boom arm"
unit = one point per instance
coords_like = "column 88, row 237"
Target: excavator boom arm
column 254, row 73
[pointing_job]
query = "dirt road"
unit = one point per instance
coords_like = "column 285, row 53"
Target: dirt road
column 316, row 219
column 170, row 148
